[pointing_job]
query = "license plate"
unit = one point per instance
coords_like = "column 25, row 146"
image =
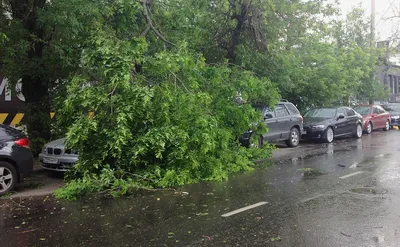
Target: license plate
column 50, row 160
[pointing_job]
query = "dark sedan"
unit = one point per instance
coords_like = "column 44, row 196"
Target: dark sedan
column 327, row 123
column 394, row 112
column 16, row 159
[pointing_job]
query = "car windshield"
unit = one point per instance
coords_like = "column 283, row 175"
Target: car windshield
column 321, row 113
column 363, row 110
column 260, row 108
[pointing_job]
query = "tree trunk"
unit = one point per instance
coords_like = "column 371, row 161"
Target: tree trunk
column 34, row 82
column 236, row 33
column 37, row 109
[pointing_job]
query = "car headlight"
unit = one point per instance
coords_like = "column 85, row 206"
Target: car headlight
column 319, row 126
column 395, row 117
column 44, row 150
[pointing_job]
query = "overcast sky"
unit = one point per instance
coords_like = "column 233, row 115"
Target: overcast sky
column 384, row 9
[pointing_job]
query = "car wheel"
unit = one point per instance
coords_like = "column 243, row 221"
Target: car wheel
column 328, row 135
column 256, row 141
column 358, row 131
column 387, row 126
column 294, row 138
column 369, row 128
column 8, row 177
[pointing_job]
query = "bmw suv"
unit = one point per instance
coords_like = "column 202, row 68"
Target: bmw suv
column 284, row 123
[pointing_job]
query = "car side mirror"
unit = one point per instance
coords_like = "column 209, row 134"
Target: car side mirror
column 268, row 115
column 341, row 116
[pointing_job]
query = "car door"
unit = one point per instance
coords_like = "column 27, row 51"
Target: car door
column 375, row 118
column 341, row 126
column 295, row 116
column 382, row 117
column 283, row 119
column 351, row 120
column 272, row 124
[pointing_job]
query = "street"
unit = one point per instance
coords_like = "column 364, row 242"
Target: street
column 342, row 194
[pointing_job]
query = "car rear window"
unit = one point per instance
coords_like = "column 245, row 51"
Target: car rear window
column 8, row 133
column 363, row 110
column 350, row 112
column 292, row 109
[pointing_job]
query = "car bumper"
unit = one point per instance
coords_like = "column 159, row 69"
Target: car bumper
column 245, row 139
column 57, row 163
column 312, row 134
column 24, row 159
column 395, row 122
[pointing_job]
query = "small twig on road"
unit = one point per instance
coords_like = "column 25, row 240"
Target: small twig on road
column 344, row 234
column 32, row 230
column 204, row 236
column 18, row 204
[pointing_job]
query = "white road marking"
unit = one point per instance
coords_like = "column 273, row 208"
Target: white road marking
column 312, row 198
column 244, row 209
column 350, row 175
column 354, row 165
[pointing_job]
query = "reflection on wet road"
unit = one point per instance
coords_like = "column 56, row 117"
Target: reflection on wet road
column 342, row 194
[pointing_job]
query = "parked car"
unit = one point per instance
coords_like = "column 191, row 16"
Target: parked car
column 374, row 117
column 327, row 123
column 56, row 157
column 16, row 160
column 394, row 112
column 284, row 122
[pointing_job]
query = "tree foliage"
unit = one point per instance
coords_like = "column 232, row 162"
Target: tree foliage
column 162, row 117
column 161, row 78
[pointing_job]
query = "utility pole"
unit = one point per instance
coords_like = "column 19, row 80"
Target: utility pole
column 373, row 13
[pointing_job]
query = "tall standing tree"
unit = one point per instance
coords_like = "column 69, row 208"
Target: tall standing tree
column 40, row 47
column 22, row 59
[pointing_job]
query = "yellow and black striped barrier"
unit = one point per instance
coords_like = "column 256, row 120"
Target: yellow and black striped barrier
column 14, row 120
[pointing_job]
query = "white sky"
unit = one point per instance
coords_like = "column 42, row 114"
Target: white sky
column 384, row 9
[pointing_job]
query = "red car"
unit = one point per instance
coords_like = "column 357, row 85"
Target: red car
column 375, row 117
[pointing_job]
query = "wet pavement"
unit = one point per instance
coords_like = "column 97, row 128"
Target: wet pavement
column 342, row 194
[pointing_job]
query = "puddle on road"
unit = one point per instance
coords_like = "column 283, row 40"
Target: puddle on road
column 369, row 191
column 309, row 173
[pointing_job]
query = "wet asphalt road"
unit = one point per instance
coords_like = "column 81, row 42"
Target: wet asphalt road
column 341, row 194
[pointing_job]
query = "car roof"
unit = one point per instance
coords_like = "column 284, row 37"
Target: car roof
column 327, row 107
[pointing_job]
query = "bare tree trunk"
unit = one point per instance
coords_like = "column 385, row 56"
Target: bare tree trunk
column 34, row 82
column 237, row 32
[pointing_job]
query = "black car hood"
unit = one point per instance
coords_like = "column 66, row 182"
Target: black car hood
column 316, row 121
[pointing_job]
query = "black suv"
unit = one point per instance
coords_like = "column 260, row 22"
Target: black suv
column 284, row 123
column 16, row 159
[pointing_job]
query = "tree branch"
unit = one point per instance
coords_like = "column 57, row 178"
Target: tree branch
column 150, row 26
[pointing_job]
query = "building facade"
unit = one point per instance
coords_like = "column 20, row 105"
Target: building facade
column 391, row 80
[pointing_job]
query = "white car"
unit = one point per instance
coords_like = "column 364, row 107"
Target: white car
column 56, row 157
